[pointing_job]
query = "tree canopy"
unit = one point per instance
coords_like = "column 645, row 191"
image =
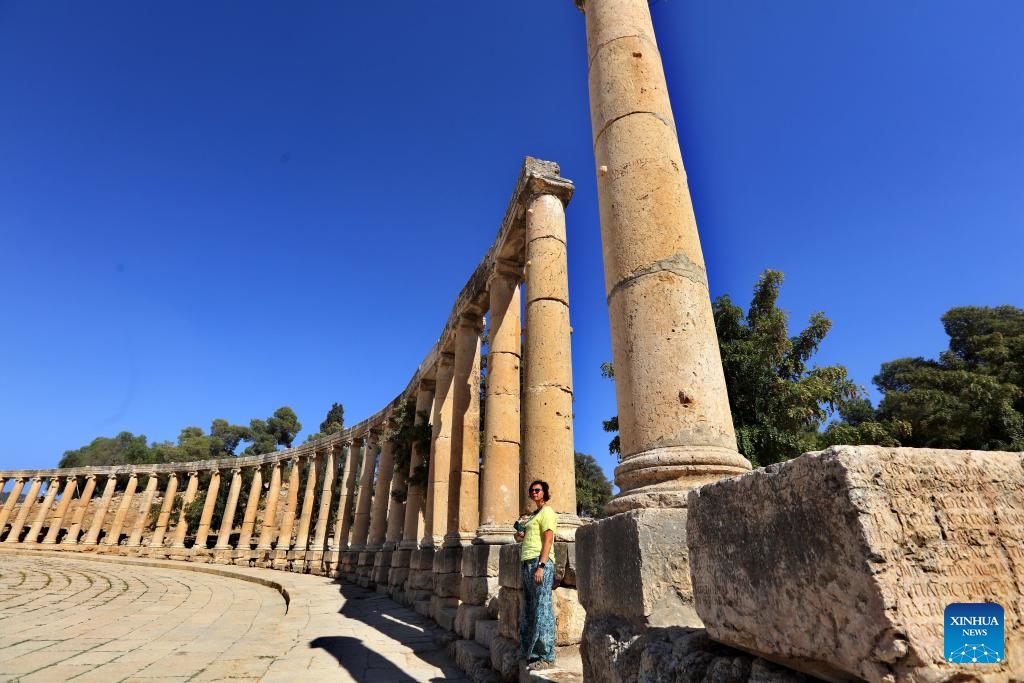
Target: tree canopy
column 593, row 489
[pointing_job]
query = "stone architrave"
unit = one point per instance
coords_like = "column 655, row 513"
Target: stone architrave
column 230, row 506
column 500, row 487
column 345, row 514
column 308, row 500
column 284, row 533
column 381, row 496
column 252, row 501
column 361, row 528
column 841, row 563
column 14, row 535
column 324, row 512
column 145, row 503
column 206, row 516
column 61, row 513
column 83, row 504
column 436, row 515
column 12, row 499
column 412, row 528
column 547, row 401
column 464, row 471
column 170, row 491
column 675, row 425
column 270, row 508
column 181, row 529
column 37, row 524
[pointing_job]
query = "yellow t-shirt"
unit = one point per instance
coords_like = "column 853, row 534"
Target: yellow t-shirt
column 533, row 540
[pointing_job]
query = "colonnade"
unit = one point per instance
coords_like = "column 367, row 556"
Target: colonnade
column 340, row 505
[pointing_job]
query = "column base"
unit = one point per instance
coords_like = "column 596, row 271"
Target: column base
column 663, row 477
column 455, row 539
column 495, row 534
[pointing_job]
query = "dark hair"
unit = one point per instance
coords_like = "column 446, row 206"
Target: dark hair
column 543, row 485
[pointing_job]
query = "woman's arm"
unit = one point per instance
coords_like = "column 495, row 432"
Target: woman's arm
column 545, row 551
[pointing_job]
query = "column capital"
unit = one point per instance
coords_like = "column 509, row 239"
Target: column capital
column 446, row 358
column 236, row 470
column 472, row 318
column 37, row 477
column 193, row 473
column 90, row 477
column 426, row 385
column 507, row 268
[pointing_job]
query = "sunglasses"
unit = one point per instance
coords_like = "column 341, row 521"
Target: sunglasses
column 536, row 490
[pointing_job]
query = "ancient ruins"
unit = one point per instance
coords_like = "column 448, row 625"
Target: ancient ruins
column 835, row 565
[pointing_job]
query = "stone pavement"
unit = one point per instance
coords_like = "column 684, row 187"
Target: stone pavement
column 109, row 619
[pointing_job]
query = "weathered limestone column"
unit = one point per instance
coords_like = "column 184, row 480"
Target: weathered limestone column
column 396, row 509
column 500, row 489
column 203, row 532
column 145, row 503
column 113, row 538
column 5, row 512
column 381, row 496
column 61, row 512
column 226, row 521
column 270, row 509
column 19, row 521
column 71, row 538
column 345, row 516
column 284, row 533
column 37, row 524
column 412, row 528
column 308, row 500
column 324, row 512
column 165, row 511
column 362, row 522
column 464, row 474
column 181, row 529
column 547, row 403
column 435, row 520
column 252, row 502
column 674, row 419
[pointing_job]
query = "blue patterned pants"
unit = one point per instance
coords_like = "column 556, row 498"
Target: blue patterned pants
column 537, row 628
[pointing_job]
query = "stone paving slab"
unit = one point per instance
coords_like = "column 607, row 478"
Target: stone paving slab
column 111, row 619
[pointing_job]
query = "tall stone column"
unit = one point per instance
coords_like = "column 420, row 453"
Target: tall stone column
column 83, row 504
column 675, row 425
column 435, row 521
column 135, row 540
column 345, row 515
column 12, row 499
column 464, row 474
column 396, row 509
column 308, row 501
column 19, row 521
column 37, row 524
column 252, row 502
column 284, row 533
column 320, row 533
column 361, row 527
column 205, row 519
column 381, row 496
column 547, row 404
column 114, row 537
column 61, row 513
column 227, row 520
column 165, row 511
column 412, row 528
column 500, row 490
column 181, row 529
column 270, row 509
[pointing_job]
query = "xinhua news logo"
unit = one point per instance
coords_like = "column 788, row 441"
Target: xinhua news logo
column 973, row 633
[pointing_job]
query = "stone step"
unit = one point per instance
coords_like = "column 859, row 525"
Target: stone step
column 475, row 660
column 485, row 631
column 568, row 668
column 445, row 617
column 422, row 607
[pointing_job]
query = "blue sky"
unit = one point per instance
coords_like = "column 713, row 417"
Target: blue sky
column 214, row 209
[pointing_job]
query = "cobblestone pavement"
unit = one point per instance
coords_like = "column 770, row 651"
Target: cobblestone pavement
column 65, row 617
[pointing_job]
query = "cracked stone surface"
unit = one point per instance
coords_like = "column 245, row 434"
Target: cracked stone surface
column 71, row 618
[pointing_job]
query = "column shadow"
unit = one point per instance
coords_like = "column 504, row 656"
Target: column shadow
column 381, row 613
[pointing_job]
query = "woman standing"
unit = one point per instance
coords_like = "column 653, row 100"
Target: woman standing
column 537, row 628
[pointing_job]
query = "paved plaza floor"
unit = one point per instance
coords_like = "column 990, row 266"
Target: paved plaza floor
column 68, row 617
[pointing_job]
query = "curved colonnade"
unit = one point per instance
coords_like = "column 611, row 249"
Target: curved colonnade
column 385, row 522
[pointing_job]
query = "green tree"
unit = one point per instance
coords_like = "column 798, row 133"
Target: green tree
column 593, row 489
column 225, row 438
column 332, row 424
column 778, row 403
column 972, row 397
column 123, row 449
